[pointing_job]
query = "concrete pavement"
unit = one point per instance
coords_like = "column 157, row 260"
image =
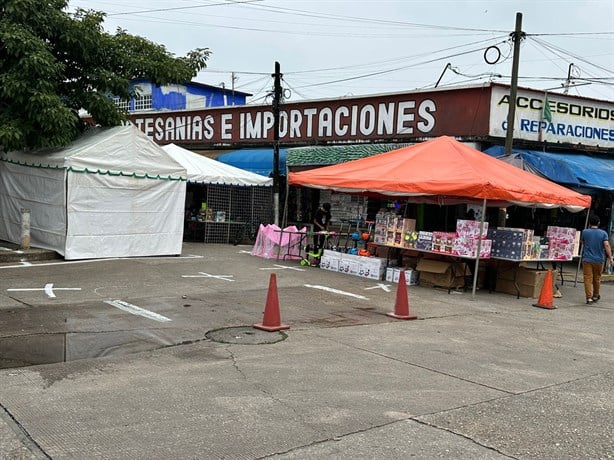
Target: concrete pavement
column 490, row 377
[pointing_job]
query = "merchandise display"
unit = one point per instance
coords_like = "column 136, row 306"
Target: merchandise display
column 366, row 267
column 506, row 245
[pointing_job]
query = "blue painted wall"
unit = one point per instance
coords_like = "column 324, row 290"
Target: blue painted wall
column 175, row 97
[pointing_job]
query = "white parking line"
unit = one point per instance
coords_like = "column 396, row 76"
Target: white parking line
column 207, row 275
column 283, row 267
column 48, row 289
column 91, row 261
column 336, row 291
column 133, row 309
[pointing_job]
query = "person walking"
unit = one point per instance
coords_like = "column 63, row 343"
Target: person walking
column 596, row 247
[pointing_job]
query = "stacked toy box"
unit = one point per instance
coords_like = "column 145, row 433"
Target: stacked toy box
column 393, row 274
column 443, row 242
column 408, row 230
column 561, row 242
column 394, row 231
column 535, row 248
column 381, row 226
column 467, row 237
column 507, row 243
column 330, row 260
column 351, row 264
column 425, row 241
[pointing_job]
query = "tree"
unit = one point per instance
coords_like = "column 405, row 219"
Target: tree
column 54, row 63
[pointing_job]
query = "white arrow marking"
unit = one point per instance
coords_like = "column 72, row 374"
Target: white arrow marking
column 207, row 275
column 243, row 251
column 133, row 309
column 336, row 291
column 283, row 267
column 48, row 289
column 385, row 287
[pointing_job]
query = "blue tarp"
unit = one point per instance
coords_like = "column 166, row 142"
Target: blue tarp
column 572, row 169
column 259, row 161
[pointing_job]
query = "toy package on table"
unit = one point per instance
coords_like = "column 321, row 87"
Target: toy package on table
column 443, row 241
column 468, row 247
column 425, row 241
column 561, row 242
column 470, row 229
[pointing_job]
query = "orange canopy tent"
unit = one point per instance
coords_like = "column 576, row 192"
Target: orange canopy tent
column 445, row 171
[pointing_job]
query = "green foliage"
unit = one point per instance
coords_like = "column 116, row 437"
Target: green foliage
column 54, row 63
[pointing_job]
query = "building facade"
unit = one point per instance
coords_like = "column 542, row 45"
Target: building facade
column 188, row 96
column 576, row 132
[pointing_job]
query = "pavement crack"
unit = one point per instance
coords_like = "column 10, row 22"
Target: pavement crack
column 235, row 364
column 447, row 374
column 22, row 434
column 265, row 391
column 21, row 301
column 484, row 446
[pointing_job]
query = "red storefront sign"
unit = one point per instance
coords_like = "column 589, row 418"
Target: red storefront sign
column 391, row 117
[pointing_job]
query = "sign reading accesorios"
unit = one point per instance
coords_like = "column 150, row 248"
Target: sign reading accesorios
column 553, row 118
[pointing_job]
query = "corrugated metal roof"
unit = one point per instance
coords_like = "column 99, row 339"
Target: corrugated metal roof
column 334, row 154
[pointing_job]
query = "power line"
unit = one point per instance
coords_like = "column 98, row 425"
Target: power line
column 551, row 47
column 382, row 72
column 177, row 8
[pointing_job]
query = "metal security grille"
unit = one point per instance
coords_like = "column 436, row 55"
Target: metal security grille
column 228, row 208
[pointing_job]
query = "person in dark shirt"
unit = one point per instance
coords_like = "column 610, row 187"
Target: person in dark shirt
column 596, row 247
column 320, row 224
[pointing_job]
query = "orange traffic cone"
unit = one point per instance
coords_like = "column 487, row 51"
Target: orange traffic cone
column 545, row 296
column 272, row 318
column 401, row 305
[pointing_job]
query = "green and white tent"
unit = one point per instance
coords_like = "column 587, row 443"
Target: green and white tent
column 111, row 193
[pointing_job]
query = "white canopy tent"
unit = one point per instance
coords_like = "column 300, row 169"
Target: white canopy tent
column 111, row 193
column 204, row 170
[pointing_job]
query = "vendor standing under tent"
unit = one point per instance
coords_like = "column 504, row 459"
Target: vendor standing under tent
column 320, row 221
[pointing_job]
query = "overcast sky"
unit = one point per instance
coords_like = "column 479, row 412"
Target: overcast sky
column 336, row 48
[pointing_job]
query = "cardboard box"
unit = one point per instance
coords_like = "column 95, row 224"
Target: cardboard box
column 329, row 263
column 348, row 266
column 530, row 281
column 332, row 254
column 440, row 273
column 371, row 268
column 393, row 275
column 524, row 290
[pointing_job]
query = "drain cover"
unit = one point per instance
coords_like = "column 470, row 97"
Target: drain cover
column 246, row 335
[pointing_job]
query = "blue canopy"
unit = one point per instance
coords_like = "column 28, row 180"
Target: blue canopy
column 259, row 161
column 573, row 169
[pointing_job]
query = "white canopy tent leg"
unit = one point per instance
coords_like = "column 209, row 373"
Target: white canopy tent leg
column 478, row 249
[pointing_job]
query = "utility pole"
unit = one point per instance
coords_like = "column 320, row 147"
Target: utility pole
column 567, row 83
column 276, row 102
column 517, row 36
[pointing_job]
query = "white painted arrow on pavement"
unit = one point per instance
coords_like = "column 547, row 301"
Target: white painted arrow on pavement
column 207, row 275
column 385, row 287
column 48, row 289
